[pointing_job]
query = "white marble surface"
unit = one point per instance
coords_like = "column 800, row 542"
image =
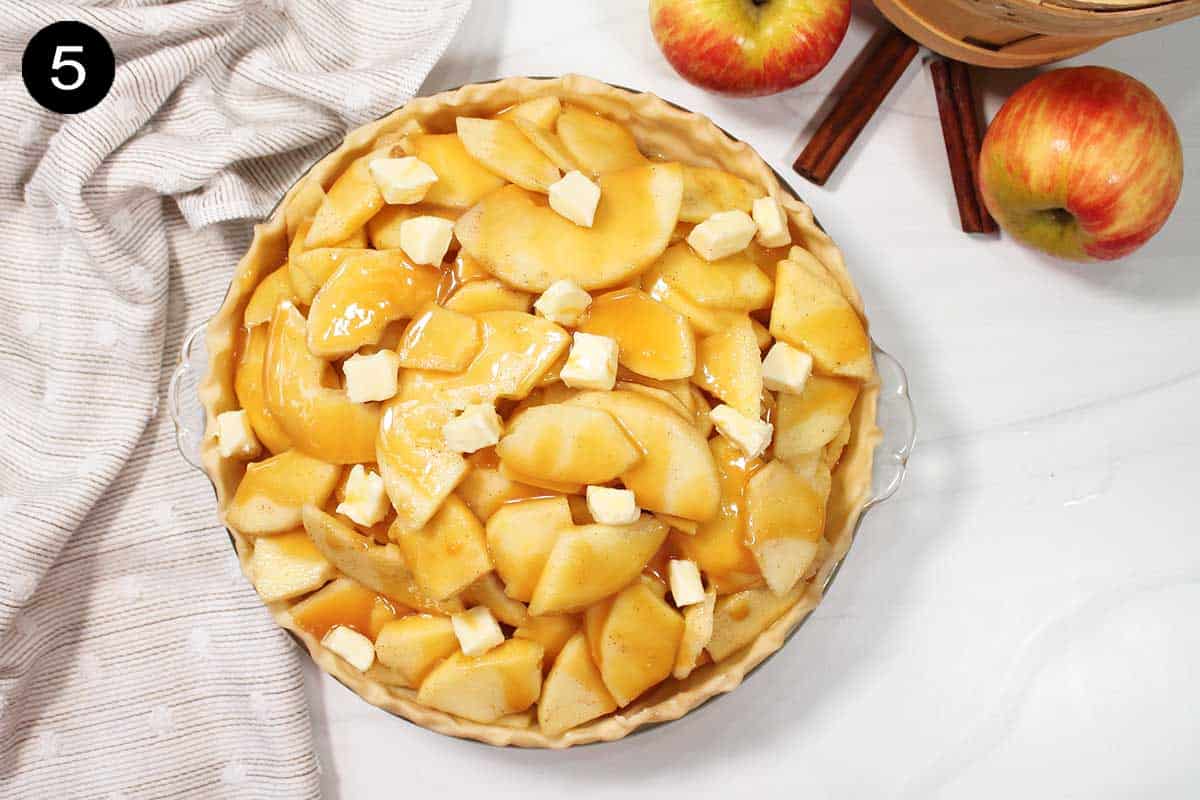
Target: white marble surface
column 1021, row 617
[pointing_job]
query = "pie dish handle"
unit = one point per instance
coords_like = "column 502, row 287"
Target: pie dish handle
column 183, row 400
column 898, row 422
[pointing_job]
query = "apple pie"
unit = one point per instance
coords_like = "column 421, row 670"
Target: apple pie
column 539, row 411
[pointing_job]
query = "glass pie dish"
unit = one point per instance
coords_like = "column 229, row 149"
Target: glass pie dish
column 867, row 467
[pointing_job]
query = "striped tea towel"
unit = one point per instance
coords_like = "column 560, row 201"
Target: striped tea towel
column 135, row 662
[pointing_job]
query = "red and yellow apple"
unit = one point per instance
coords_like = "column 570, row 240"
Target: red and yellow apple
column 1083, row 163
column 749, row 47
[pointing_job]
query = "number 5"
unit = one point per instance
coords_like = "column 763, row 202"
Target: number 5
column 60, row 62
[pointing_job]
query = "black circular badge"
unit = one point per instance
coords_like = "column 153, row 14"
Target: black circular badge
column 68, row 67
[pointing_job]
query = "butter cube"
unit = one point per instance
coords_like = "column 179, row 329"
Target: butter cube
column 366, row 500
column 425, row 240
column 752, row 436
column 235, row 436
column 564, row 303
column 477, row 427
column 477, row 630
column 402, row 181
column 592, row 363
column 356, row 649
column 722, row 235
column 772, row 223
column 371, row 378
column 786, row 369
column 686, row 587
column 575, row 197
column 612, row 506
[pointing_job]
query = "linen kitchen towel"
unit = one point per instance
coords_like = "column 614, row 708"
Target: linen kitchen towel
column 135, row 661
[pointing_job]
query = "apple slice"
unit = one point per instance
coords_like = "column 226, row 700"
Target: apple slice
column 597, row 144
column 501, row 147
column 485, row 491
column 439, row 339
column 449, row 553
column 591, row 562
column 362, row 297
column 384, row 228
column 569, row 444
column 273, row 290
column 813, row 315
column 551, row 631
column 700, row 412
column 319, row 420
column 540, row 111
column 308, row 270
column 728, row 367
column 806, row 422
column 466, row 268
column 387, row 676
column 705, row 320
column 677, row 475
column 248, row 385
column 679, row 388
column 545, row 140
column 593, row 623
column 505, row 680
column 685, row 526
column 735, row 282
column 462, row 181
column 378, row 567
column 303, row 206
column 528, row 245
column 718, row 546
column 739, row 618
column 516, row 351
column 761, row 335
column 415, row 644
column 574, row 692
column 638, row 642
column 661, row 395
column 357, row 240
column 697, row 631
column 551, row 486
column 418, row 470
column 273, row 491
column 785, row 517
column 344, row 602
column 833, row 451
column 707, row 191
column 286, row 566
column 488, row 295
column 652, row 339
column 489, row 591
column 352, row 200
column 534, row 399
column 520, row 536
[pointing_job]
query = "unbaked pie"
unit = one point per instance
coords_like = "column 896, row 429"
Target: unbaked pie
column 539, row 411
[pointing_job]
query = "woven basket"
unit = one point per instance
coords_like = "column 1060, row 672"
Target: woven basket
column 1023, row 33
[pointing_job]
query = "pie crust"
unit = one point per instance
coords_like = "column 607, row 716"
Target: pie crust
column 661, row 129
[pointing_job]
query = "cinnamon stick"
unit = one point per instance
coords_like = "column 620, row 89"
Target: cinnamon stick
column 960, row 129
column 879, row 72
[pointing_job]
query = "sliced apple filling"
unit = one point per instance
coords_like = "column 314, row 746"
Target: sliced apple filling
column 358, row 301
column 527, row 244
column 320, row 420
column 558, row 465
